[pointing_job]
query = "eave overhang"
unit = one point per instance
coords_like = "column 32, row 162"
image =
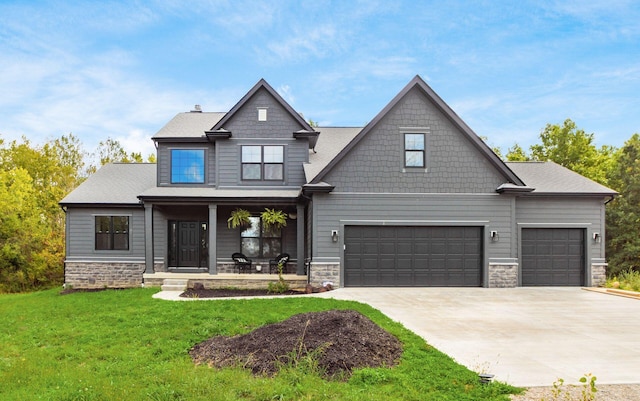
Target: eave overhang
column 317, row 188
column 194, row 139
column 311, row 135
column 214, row 135
column 510, row 188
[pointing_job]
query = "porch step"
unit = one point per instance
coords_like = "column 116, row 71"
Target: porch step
column 172, row 284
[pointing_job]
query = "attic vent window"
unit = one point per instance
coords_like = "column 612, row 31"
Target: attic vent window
column 262, row 114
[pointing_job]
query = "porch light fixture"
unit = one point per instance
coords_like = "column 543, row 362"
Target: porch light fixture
column 334, row 235
column 293, row 215
column 494, row 236
column 596, row 237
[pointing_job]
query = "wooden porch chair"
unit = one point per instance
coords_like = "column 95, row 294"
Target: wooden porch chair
column 243, row 263
column 273, row 263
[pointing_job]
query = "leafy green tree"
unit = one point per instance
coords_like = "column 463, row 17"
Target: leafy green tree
column 623, row 214
column 574, row 149
column 33, row 180
column 517, row 154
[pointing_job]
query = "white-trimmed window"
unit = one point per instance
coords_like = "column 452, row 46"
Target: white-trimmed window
column 414, row 150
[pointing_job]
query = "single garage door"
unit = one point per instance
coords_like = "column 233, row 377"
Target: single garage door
column 413, row 256
column 553, row 256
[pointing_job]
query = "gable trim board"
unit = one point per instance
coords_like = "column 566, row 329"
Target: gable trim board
column 340, row 182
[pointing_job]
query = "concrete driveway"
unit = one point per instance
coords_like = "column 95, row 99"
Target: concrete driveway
column 525, row 336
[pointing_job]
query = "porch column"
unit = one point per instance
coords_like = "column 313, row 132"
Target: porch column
column 148, row 238
column 213, row 224
column 300, row 229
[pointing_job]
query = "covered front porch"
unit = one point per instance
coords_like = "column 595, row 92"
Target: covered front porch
column 192, row 236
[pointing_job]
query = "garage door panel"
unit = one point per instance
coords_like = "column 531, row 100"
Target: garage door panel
column 553, row 256
column 413, row 256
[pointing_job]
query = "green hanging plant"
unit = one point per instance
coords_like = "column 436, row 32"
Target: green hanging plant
column 239, row 218
column 272, row 218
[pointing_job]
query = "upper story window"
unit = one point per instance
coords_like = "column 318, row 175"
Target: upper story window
column 112, row 233
column 414, row 150
column 263, row 163
column 187, row 166
column 262, row 114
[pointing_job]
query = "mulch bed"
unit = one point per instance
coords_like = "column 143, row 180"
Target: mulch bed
column 339, row 340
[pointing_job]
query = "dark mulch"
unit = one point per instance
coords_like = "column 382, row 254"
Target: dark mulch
column 339, row 340
column 231, row 292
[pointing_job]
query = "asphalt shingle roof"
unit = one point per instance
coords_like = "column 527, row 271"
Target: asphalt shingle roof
column 551, row 178
column 189, row 125
column 118, row 183
column 330, row 142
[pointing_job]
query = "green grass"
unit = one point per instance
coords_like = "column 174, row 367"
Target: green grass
column 627, row 280
column 124, row 345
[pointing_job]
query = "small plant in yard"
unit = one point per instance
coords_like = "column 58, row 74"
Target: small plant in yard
column 627, row 280
column 587, row 392
column 281, row 286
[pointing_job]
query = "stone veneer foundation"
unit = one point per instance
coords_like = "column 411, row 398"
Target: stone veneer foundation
column 321, row 273
column 103, row 274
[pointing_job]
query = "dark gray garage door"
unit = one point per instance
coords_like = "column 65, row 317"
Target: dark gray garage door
column 553, row 256
column 413, row 256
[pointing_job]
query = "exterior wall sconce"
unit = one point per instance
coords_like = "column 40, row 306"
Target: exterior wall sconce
column 334, row 235
column 494, row 236
column 597, row 238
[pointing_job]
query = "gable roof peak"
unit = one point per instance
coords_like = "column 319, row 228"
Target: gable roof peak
column 263, row 84
column 418, row 83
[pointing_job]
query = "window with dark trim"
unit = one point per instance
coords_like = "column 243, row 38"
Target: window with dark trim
column 112, row 233
column 187, row 166
column 262, row 163
column 414, row 150
column 260, row 242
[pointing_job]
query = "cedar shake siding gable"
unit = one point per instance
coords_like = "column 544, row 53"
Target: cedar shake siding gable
column 244, row 123
column 280, row 116
column 436, row 103
column 453, row 163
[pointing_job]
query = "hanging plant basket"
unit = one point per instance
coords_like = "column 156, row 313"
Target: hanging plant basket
column 239, row 218
column 272, row 218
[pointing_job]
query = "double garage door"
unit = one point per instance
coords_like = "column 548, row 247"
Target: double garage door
column 452, row 256
column 413, row 256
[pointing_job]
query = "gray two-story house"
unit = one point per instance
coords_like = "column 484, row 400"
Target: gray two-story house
column 414, row 198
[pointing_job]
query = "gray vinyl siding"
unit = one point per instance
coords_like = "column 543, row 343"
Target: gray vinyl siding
column 453, row 163
column 164, row 162
column 334, row 211
column 244, row 123
column 81, row 234
column 587, row 213
column 296, row 152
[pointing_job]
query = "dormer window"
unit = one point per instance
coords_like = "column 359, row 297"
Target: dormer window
column 263, row 163
column 262, row 114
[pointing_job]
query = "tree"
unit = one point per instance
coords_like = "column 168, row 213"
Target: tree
column 623, row 214
column 574, row 149
column 517, row 154
column 33, row 180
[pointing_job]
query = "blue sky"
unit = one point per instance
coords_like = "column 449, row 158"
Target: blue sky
column 123, row 69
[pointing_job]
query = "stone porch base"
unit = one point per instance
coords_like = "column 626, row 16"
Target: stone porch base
column 224, row 280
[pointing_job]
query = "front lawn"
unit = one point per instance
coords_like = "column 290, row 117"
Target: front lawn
column 124, row 345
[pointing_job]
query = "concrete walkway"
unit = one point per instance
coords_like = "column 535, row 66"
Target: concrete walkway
column 525, row 336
